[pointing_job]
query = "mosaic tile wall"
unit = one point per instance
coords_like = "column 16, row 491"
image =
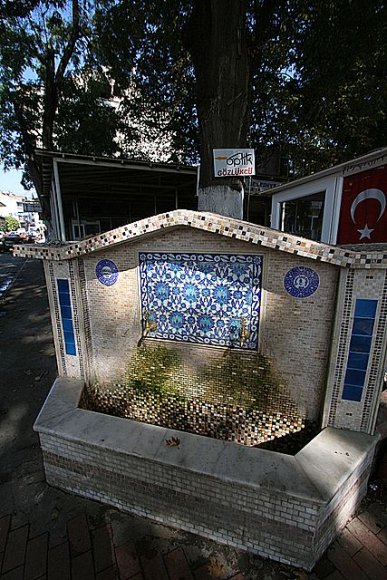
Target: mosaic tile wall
column 202, row 298
column 224, row 226
column 246, row 426
column 116, row 322
column 358, row 351
column 111, row 325
column 237, row 397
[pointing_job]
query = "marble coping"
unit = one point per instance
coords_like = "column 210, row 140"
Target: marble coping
column 314, row 474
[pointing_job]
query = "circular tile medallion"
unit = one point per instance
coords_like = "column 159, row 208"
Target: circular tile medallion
column 107, row 272
column 301, row 282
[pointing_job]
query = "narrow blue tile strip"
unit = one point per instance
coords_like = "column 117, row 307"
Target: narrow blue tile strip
column 359, row 349
column 67, row 316
column 365, row 308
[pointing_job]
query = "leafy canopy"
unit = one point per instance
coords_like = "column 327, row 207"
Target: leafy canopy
column 317, row 82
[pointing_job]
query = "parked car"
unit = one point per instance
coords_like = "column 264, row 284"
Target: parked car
column 12, row 238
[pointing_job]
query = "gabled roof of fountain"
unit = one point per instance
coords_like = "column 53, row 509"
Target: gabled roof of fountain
column 214, row 223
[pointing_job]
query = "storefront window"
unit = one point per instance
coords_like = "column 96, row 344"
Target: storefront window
column 303, row 216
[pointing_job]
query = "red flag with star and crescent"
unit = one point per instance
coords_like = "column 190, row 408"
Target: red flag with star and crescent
column 363, row 213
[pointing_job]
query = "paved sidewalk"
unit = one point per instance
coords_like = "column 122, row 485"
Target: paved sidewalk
column 89, row 552
column 48, row 534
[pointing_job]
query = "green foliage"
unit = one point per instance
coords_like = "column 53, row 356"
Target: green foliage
column 50, row 83
column 11, row 223
column 316, row 90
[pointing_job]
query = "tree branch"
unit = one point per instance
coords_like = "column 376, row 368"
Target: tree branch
column 69, row 48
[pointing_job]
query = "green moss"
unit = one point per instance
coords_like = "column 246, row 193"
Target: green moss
column 232, row 378
column 154, row 369
column 234, row 395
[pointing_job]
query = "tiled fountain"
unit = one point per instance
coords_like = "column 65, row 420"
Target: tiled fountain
column 188, row 341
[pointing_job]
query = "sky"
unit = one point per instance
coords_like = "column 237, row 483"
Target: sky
column 10, row 181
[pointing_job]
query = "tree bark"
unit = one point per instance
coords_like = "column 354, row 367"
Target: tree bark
column 216, row 37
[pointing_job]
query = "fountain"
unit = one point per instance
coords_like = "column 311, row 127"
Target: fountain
column 216, row 376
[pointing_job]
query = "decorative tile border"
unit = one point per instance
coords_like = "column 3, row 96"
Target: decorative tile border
column 341, row 359
column 58, row 325
column 86, row 320
column 210, row 299
column 376, row 363
column 225, row 226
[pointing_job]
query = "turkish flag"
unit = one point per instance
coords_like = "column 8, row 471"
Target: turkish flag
column 363, row 212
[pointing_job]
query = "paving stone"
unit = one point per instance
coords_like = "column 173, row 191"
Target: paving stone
column 371, row 521
column 336, row 575
column 177, row 565
column 382, row 535
column 344, row 563
column 82, row 567
column 153, row 565
column 349, row 542
column 108, row 574
column 127, row 561
column 59, row 562
column 15, row 574
column 15, row 549
column 369, row 540
column 5, row 523
column 324, row 567
column 370, row 565
column 103, row 549
column 379, row 511
column 36, row 557
column 79, row 536
column 238, row 577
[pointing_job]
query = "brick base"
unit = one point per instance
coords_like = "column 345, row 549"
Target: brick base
column 285, row 508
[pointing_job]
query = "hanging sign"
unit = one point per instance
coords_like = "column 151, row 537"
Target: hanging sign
column 234, row 162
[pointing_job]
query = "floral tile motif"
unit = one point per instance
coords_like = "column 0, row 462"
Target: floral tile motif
column 202, row 298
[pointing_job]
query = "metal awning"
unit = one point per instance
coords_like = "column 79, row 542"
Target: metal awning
column 84, row 177
column 87, row 182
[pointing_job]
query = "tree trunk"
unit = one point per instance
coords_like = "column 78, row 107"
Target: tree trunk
column 216, row 38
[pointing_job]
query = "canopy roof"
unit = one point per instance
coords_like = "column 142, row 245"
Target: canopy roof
column 99, row 178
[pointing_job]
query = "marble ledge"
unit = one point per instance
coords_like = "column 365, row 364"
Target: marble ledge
column 314, row 475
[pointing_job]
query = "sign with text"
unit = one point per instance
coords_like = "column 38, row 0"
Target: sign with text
column 234, row 162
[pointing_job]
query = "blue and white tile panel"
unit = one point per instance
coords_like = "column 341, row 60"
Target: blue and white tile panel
column 211, row 299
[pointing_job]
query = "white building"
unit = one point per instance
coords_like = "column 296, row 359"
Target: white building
column 26, row 211
column 345, row 204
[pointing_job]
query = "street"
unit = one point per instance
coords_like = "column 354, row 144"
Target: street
column 9, row 269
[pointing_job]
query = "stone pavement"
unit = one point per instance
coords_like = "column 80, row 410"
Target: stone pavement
column 48, row 534
column 88, row 552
